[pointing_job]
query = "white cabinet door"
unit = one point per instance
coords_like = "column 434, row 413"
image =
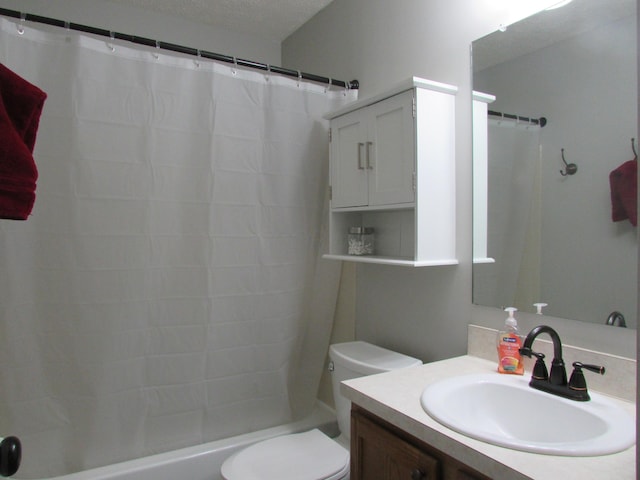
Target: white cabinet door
column 391, row 151
column 373, row 154
column 349, row 182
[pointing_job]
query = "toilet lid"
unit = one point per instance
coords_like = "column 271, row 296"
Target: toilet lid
column 302, row 456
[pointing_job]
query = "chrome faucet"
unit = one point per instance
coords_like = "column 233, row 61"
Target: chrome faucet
column 555, row 382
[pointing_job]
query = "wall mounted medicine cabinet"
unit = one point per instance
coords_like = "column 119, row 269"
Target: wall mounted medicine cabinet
column 392, row 169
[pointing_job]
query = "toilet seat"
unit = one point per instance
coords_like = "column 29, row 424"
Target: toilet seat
column 301, row 456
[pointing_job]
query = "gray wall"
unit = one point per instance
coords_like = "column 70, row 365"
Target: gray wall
column 423, row 312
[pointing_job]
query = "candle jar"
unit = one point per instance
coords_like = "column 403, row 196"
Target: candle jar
column 360, row 241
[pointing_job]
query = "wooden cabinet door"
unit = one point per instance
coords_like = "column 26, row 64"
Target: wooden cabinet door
column 377, row 454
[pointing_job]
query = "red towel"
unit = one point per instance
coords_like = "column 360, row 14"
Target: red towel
column 20, row 108
column 624, row 192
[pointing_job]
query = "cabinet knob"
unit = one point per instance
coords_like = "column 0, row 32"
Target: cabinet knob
column 417, row 475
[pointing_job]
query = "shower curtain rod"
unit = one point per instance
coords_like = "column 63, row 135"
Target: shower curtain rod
column 542, row 121
column 353, row 84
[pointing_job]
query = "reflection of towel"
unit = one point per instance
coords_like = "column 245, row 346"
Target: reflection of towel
column 20, row 108
column 624, row 192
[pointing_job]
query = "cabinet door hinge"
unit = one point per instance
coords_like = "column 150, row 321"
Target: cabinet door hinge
column 413, row 181
column 329, row 135
column 414, row 107
column 330, row 192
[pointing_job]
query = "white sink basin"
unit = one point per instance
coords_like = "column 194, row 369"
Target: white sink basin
column 505, row 411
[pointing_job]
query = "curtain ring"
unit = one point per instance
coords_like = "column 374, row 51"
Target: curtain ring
column 111, row 46
column 155, row 54
column 67, row 27
column 329, row 83
column 23, row 17
column 234, row 70
column 197, row 60
column 299, row 77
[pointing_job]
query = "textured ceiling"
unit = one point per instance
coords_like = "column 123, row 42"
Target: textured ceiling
column 268, row 18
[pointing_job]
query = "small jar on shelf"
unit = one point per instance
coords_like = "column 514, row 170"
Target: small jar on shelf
column 360, row 241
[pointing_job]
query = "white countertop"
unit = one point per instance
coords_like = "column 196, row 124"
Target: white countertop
column 395, row 397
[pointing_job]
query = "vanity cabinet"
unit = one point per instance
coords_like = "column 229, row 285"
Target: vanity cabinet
column 392, row 168
column 380, row 451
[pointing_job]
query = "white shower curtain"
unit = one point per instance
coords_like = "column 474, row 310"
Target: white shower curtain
column 513, row 171
column 166, row 287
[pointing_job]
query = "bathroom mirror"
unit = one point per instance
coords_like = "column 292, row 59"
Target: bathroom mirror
column 550, row 237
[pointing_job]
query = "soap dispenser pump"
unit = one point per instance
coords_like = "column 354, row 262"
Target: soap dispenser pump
column 509, row 344
column 539, row 307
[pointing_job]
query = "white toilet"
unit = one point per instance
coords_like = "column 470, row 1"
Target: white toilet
column 312, row 455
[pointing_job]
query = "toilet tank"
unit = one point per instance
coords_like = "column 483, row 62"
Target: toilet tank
column 357, row 359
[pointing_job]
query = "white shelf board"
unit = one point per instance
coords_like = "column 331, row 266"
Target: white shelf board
column 389, row 260
column 484, row 260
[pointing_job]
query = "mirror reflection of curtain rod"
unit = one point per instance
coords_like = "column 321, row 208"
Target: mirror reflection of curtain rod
column 542, row 121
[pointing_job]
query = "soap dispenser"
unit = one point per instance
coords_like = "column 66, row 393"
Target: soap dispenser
column 509, row 344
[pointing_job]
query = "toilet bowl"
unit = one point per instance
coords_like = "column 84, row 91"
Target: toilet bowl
column 313, row 455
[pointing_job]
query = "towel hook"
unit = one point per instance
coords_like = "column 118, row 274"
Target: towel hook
column 633, row 148
column 570, row 168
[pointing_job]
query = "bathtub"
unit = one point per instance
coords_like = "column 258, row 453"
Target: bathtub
column 200, row 462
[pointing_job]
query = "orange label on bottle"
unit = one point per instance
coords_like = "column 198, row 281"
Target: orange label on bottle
column 509, row 359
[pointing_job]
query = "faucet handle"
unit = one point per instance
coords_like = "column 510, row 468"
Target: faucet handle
column 577, row 381
column 591, row 368
column 526, row 351
column 540, row 371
